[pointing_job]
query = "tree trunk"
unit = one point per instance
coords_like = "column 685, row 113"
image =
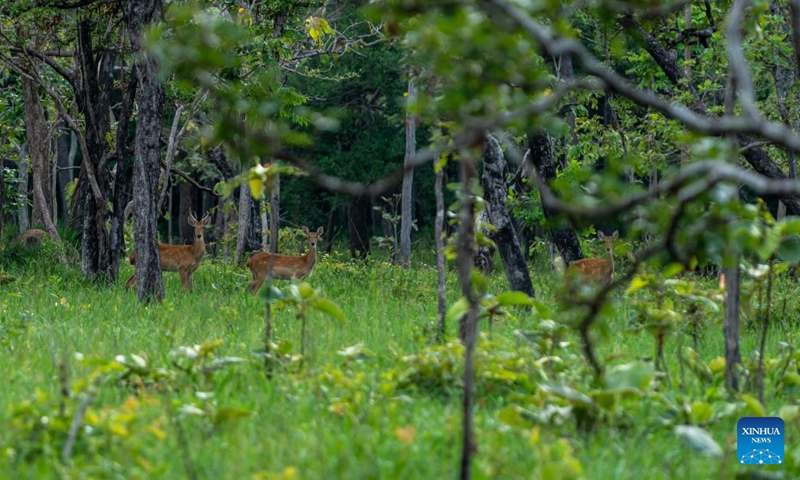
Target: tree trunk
column 147, row 163
column 244, row 222
column 406, row 215
column 39, row 150
column 122, row 179
column 731, row 328
column 440, row 265
column 357, row 216
column 541, row 155
column 274, row 214
column 90, row 209
column 23, row 163
column 185, row 230
column 503, row 235
column 468, row 325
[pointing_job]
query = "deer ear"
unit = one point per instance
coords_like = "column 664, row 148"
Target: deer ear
column 320, row 230
column 305, row 229
column 192, row 219
column 207, row 219
column 601, row 235
column 616, row 234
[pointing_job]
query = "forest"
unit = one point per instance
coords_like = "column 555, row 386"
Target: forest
column 295, row 239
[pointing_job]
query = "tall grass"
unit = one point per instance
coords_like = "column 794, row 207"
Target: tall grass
column 386, row 409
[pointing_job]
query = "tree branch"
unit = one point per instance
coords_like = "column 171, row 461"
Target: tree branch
column 737, row 63
column 556, row 46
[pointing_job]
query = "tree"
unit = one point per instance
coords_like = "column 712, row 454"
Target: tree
column 138, row 17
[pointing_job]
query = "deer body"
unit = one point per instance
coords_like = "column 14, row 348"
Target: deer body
column 284, row 267
column 183, row 259
column 595, row 270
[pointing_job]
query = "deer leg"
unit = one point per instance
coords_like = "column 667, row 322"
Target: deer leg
column 256, row 283
column 184, row 279
column 131, row 282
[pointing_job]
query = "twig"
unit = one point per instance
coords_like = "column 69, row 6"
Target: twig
column 66, row 453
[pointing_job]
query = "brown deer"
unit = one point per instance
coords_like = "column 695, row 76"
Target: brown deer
column 31, row 238
column 183, row 259
column 284, row 267
column 596, row 271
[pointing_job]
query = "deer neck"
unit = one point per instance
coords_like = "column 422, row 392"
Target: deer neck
column 611, row 260
column 199, row 247
column 311, row 256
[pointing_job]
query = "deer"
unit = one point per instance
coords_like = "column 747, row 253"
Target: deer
column 183, row 259
column 284, row 267
column 596, row 271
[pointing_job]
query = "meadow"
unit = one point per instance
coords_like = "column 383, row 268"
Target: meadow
column 98, row 386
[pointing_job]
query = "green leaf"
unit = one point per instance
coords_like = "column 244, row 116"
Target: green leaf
column 329, row 308
column 699, row 440
column 568, row 393
column 513, row 298
column 673, row 269
column 631, row 376
column 754, row 406
column 789, row 249
column 512, row 417
column 700, row 412
column 457, row 310
column 637, row 284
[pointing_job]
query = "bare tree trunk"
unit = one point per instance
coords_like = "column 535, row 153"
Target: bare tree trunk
column 23, row 163
column 731, row 328
column 185, row 231
column 39, row 150
column 406, row 215
column 541, row 155
column 92, row 87
column 2, row 196
column 247, row 235
column 122, row 179
column 440, row 265
column 274, row 214
column 504, row 236
column 468, row 328
column 148, row 153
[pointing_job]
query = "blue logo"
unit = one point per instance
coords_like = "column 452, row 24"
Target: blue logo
column 759, row 440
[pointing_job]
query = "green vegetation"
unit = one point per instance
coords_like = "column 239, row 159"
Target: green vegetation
column 179, row 387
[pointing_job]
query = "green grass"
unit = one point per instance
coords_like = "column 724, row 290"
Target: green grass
column 393, row 412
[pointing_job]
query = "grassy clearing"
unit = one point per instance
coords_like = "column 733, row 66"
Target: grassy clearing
column 390, row 409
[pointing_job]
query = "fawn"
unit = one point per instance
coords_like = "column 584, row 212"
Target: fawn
column 183, row 259
column 284, row 267
column 595, row 270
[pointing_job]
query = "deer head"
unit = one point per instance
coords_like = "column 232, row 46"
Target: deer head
column 199, row 225
column 313, row 237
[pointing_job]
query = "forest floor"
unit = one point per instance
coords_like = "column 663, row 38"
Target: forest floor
column 98, row 386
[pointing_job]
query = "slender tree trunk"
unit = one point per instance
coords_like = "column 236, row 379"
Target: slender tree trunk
column 274, row 214
column 139, row 15
column 24, row 164
column 2, row 196
column 244, row 221
column 731, row 328
column 407, row 201
column 39, row 151
column 440, row 265
column 185, row 230
column 541, row 155
column 93, row 85
column 468, row 328
column 122, row 180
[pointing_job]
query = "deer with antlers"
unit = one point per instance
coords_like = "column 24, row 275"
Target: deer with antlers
column 284, row 267
column 183, row 259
